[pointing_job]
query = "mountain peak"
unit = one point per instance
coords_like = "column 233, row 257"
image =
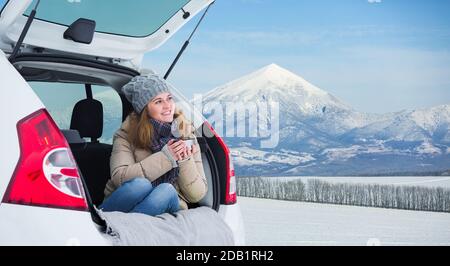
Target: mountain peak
column 271, row 78
column 277, row 74
column 273, row 68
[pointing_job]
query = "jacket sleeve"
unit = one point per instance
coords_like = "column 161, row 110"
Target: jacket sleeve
column 192, row 180
column 124, row 166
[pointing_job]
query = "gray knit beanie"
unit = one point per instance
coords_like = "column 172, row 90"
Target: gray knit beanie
column 141, row 89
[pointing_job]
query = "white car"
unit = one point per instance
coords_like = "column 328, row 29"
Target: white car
column 53, row 172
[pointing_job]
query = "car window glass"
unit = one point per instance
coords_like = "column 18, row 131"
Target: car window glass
column 140, row 19
column 60, row 98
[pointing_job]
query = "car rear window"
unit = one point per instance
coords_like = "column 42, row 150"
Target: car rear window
column 139, row 19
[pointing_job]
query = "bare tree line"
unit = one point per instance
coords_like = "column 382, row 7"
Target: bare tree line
column 419, row 198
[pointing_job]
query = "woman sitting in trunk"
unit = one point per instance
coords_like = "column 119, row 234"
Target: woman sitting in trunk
column 152, row 171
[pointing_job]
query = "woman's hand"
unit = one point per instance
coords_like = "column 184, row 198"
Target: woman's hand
column 194, row 148
column 189, row 151
column 177, row 148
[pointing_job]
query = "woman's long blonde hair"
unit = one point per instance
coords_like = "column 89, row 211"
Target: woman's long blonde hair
column 140, row 133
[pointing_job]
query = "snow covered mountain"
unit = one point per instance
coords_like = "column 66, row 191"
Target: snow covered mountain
column 321, row 135
column 431, row 124
column 299, row 99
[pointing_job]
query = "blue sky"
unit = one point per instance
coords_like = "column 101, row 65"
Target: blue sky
column 383, row 56
column 376, row 55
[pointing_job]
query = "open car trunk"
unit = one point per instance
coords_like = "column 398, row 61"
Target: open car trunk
column 92, row 156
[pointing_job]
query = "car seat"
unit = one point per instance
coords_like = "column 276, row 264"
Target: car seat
column 92, row 157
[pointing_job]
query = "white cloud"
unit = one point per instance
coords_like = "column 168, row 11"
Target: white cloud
column 261, row 38
column 374, row 1
column 283, row 37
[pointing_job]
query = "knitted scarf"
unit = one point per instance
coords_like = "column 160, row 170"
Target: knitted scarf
column 161, row 135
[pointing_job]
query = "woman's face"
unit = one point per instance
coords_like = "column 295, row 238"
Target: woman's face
column 162, row 107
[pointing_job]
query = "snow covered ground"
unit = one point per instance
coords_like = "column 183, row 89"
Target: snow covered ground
column 282, row 223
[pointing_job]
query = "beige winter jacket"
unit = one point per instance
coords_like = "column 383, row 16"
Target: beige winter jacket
column 128, row 162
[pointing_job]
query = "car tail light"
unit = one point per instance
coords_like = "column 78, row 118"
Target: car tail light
column 46, row 174
column 230, row 195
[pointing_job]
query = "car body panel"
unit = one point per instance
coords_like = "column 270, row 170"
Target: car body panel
column 31, row 225
column 232, row 216
column 16, row 102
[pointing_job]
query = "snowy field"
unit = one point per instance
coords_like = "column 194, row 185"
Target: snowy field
column 283, row 223
column 427, row 181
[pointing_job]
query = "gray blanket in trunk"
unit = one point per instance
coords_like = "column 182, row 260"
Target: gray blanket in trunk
column 201, row 226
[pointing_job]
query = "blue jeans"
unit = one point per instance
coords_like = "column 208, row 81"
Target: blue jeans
column 138, row 195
